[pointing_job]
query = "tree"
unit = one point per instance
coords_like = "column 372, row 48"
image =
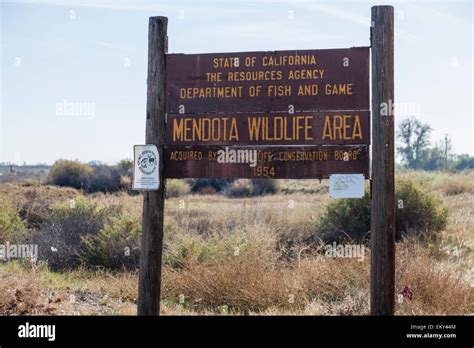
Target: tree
column 434, row 159
column 414, row 139
column 439, row 157
column 125, row 164
column 464, row 161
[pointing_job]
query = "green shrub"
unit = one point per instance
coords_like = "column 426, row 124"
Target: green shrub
column 239, row 188
column 186, row 248
column 126, row 185
column 176, row 188
column 264, row 186
column 421, row 214
column 116, row 246
column 69, row 173
column 92, row 178
column 252, row 187
column 125, row 167
column 345, row 218
column 251, row 242
column 104, row 179
column 207, row 190
column 198, row 185
column 12, row 228
column 34, row 203
column 417, row 213
column 60, row 237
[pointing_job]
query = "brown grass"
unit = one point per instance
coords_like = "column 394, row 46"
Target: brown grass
column 445, row 182
column 240, row 284
column 262, row 279
column 34, row 201
column 316, row 285
column 437, row 288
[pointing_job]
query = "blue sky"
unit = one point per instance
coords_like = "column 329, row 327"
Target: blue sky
column 94, row 54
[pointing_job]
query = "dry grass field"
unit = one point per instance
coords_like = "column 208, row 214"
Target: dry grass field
column 250, row 256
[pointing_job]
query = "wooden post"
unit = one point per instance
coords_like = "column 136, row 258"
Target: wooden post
column 382, row 282
column 153, row 201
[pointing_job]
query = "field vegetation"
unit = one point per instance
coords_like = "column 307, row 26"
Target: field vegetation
column 236, row 247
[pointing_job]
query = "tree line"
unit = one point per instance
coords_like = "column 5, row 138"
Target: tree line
column 415, row 150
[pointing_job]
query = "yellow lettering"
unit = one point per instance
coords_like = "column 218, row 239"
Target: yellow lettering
column 357, row 131
column 178, row 129
column 327, row 132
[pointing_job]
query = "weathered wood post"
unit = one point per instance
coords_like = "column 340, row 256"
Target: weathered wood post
column 153, row 201
column 382, row 282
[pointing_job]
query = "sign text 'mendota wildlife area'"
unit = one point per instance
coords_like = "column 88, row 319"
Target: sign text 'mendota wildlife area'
column 303, row 114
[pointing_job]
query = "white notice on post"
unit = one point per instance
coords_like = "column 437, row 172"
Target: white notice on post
column 146, row 166
column 346, row 185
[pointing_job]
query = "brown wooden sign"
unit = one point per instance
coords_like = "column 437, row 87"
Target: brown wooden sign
column 310, row 128
column 293, row 162
column 285, row 81
column 189, row 98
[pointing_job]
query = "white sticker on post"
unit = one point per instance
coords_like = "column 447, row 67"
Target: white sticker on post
column 146, row 166
column 346, row 185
